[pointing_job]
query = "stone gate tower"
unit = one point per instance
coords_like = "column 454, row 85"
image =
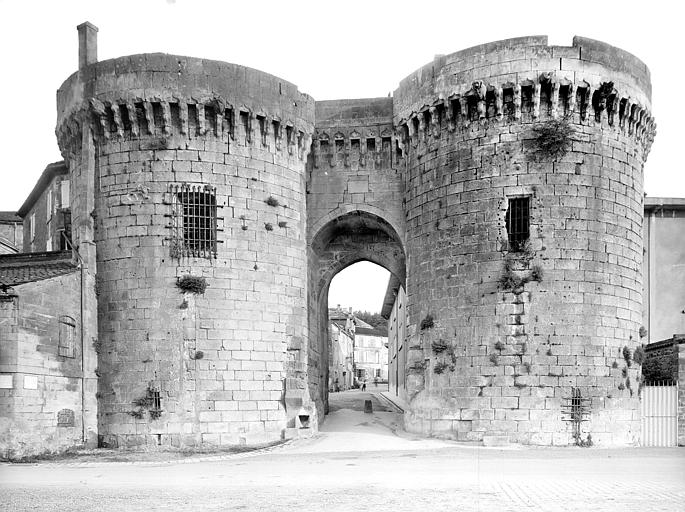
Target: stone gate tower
column 189, row 168
column 524, row 190
column 501, row 185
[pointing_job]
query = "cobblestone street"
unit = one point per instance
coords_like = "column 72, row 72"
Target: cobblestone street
column 363, row 461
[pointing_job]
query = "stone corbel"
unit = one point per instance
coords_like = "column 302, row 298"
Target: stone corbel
column 117, row 119
column 149, row 116
column 555, row 99
column 536, row 100
column 517, row 102
column 183, row 116
column 202, row 125
column 498, row 102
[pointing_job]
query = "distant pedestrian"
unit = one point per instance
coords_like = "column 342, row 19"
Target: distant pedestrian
column 364, row 386
column 375, row 381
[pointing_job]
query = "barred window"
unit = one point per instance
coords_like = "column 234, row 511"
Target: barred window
column 518, row 223
column 67, row 333
column 194, row 224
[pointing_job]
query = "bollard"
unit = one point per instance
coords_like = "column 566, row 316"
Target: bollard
column 368, row 407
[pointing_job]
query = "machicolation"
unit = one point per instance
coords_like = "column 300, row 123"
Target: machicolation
column 501, row 185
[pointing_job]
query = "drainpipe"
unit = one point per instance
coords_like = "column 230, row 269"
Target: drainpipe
column 81, row 265
column 651, row 271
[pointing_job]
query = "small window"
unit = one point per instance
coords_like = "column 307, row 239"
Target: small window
column 32, row 226
column 194, row 221
column 67, row 335
column 518, row 223
column 48, row 206
column 64, row 194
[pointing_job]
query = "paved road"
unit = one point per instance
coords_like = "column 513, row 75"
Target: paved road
column 363, row 462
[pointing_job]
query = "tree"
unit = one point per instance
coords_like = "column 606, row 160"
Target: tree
column 373, row 319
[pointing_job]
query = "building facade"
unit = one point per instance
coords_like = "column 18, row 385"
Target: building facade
column 11, row 233
column 664, row 269
column 371, row 354
column 46, row 213
column 341, row 355
column 212, row 204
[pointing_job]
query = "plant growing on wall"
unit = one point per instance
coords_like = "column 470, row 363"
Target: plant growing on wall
column 192, row 284
column 440, row 367
column 439, row 346
column 553, row 138
column 150, row 402
column 427, row 322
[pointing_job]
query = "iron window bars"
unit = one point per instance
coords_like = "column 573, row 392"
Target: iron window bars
column 194, row 221
column 518, row 223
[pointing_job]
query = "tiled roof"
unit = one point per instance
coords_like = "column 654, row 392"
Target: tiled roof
column 371, row 332
column 52, row 170
column 10, row 217
column 23, row 268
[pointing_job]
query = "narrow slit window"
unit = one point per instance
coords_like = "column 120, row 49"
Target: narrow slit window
column 194, row 221
column 564, row 99
column 518, row 223
column 67, row 335
column 157, row 115
column 527, row 98
column 490, row 104
column 193, row 125
column 472, row 106
column 125, row 119
column 210, row 119
column 371, row 145
column 508, row 102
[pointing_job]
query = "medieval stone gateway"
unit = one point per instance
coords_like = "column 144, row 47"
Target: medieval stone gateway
column 501, row 186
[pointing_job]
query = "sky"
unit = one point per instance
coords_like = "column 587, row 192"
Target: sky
column 330, row 50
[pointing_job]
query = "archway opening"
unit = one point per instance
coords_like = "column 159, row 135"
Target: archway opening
column 343, row 242
column 357, row 333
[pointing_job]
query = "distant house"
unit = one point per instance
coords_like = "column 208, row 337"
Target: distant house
column 357, row 350
column 46, row 213
column 340, row 355
column 11, row 233
column 371, row 353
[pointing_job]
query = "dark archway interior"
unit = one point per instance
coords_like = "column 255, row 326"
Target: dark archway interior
column 354, row 237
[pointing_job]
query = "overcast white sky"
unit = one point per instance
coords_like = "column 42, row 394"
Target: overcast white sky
column 343, row 49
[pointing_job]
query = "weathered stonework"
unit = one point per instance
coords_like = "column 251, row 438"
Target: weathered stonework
column 156, row 121
column 419, row 183
column 467, row 124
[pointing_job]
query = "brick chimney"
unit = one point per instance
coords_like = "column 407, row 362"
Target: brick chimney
column 87, row 44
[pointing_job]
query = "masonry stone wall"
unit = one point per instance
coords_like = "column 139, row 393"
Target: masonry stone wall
column 354, row 208
column 499, row 338
column 41, row 382
column 229, row 365
column 503, row 359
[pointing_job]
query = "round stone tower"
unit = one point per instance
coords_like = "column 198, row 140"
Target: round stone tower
column 188, row 198
column 524, row 190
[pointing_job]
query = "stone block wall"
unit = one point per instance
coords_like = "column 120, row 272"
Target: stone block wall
column 227, row 366
column 515, row 332
column 354, row 208
column 41, row 378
